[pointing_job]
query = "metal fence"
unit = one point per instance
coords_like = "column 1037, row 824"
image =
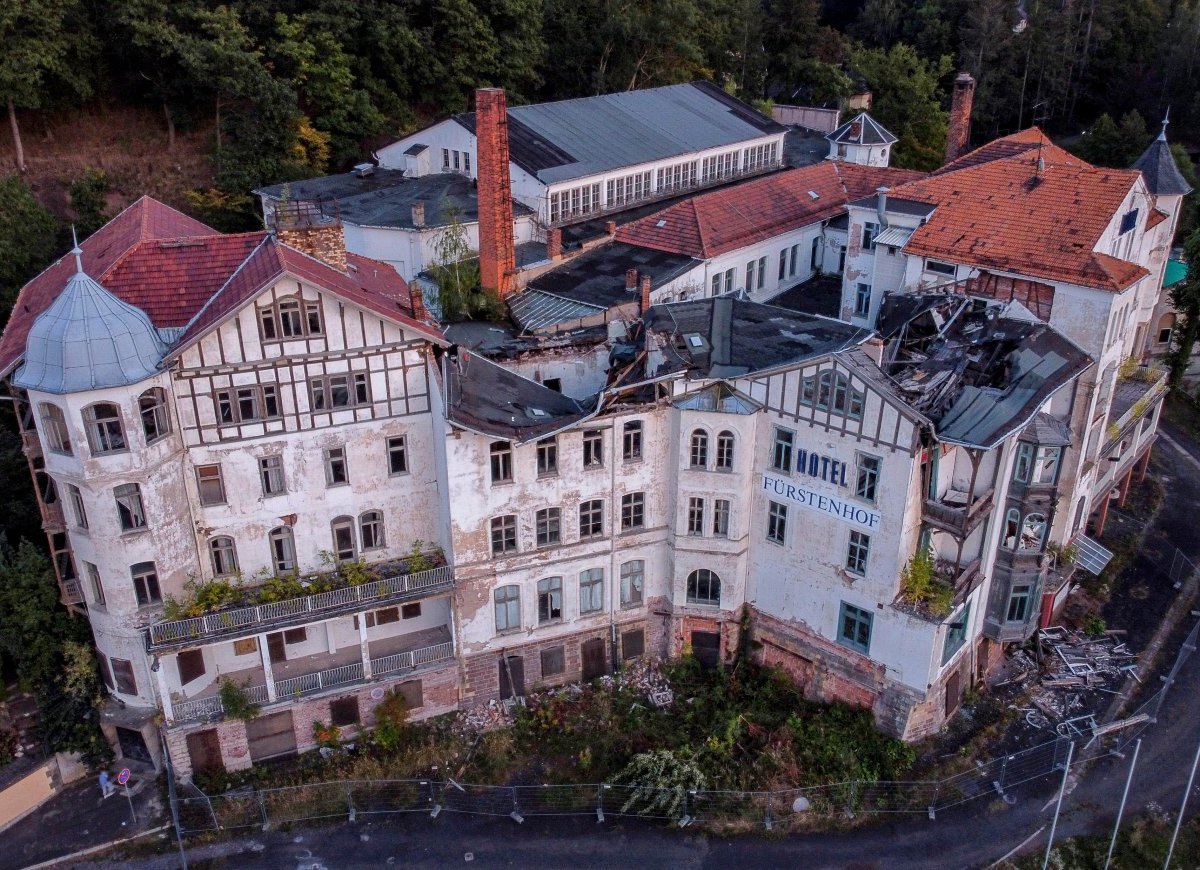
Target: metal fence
column 351, row 799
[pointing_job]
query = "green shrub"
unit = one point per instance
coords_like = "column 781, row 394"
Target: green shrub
column 237, row 702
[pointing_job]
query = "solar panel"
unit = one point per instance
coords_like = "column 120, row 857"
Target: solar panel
column 1091, row 557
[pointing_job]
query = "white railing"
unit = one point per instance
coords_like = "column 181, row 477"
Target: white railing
column 294, row 687
column 239, row 619
column 406, row 660
column 201, row 708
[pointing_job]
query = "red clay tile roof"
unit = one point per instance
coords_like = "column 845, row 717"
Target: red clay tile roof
column 998, row 210
column 1155, row 217
column 710, row 224
column 372, row 284
column 144, row 220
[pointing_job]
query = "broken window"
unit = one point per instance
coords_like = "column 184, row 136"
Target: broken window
column 93, row 574
column 1045, row 465
column 591, row 518
column 122, row 673
column 129, row 506
column 145, row 583
column 504, row 534
column 343, row 539
column 270, row 470
column 397, row 449
column 631, row 443
column 1033, row 532
column 867, row 482
column 831, row 391
column 633, row 510
column 106, row 433
column 549, row 600
column 857, row 552
column 337, row 472
column 245, row 404
column 870, row 233
column 1012, row 526
column 591, row 590
column 1018, row 603
column 370, row 529
column 212, row 487
column 1023, row 463
column 862, row 300
column 224, row 556
column 633, row 578
column 339, row 391
column 547, row 457
column 75, row 498
column 593, row 448
column 156, row 421
column 283, row 549
column 290, row 318
column 781, row 453
column 721, row 517
column 956, row 633
column 54, row 429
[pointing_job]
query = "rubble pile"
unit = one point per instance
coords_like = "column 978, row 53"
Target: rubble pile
column 1077, row 674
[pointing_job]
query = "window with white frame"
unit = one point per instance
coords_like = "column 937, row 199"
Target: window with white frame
column 156, row 420
column 1045, row 465
column 633, row 579
column 283, row 549
column 548, row 526
column 862, row 299
column 339, row 391
column 290, row 318
column 549, row 592
column 1023, row 464
column 507, row 601
column 246, row 404
column 759, row 156
column 591, row 590
column 698, row 453
column 866, row 483
column 854, row 627
column 762, row 274
column 337, row 471
column 504, row 534
column 870, row 232
column 776, row 522
column 857, row 553
column 719, row 166
column 721, row 517
column 370, row 530
column 270, row 473
column 633, row 511
column 211, row 484
column 105, row 431
column 501, row 462
column 729, row 273
column 223, row 553
column 783, row 260
column 54, row 429
column 629, row 188
column 129, row 506
column 343, row 539
column 145, row 583
column 704, row 587
column 679, row 176
column 591, row 518
column 695, row 516
column 725, row 451
column 574, row 202
column 781, row 449
column 593, row 448
column 75, row 499
column 831, row 391
column 716, row 284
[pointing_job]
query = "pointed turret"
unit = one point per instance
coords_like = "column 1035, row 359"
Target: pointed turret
column 1158, row 168
column 88, row 339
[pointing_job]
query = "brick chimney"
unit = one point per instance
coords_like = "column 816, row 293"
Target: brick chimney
column 312, row 228
column 631, row 281
column 419, row 311
column 958, row 133
column 644, row 285
column 553, row 243
column 610, row 228
column 497, row 255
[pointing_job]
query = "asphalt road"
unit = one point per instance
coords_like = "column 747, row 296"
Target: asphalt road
column 972, row 835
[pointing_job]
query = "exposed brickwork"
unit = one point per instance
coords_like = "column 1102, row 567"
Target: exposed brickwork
column 958, row 132
column 497, row 254
column 1034, row 295
column 553, row 243
column 326, row 243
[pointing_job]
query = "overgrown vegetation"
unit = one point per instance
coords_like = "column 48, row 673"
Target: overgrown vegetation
column 1142, row 842
column 456, row 273
column 236, row 701
column 921, row 585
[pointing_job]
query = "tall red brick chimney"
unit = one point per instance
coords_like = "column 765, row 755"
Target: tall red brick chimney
column 958, row 132
column 497, row 255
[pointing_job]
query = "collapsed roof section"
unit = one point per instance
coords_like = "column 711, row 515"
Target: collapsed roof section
column 488, row 399
column 728, row 337
column 979, row 370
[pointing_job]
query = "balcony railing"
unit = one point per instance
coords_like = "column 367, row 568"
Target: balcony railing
column 966, row 581
column 260, row 617
column 959, row 519
column 309, row 684
column 72, row 591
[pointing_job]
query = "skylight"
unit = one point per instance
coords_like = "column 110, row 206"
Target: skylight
column 661, row 224
column 814, row 195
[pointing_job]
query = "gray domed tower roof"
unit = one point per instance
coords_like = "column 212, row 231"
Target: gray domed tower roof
column 88, row 339
column 1158, row 168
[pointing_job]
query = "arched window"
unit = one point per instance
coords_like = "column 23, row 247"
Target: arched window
column 725, row 451
column 699, row 452
column 156, row 421
column 704, row 587
column 343, row 539
column 54, row 429
column 283, row 549
column 224, row 556
column 105, row 432
column 831, row 391
column 370, row 530
column 1012, row 527
column 1033, row 531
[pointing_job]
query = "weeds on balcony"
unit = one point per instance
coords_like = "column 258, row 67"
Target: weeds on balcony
column 236, row 701
column 920, row 585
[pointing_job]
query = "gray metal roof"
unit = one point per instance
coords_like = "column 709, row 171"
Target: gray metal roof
column 533, row 310
column 88, row 339
column 576, row 138
column 1158, row 168
column 861, row 130
column 1047, row 431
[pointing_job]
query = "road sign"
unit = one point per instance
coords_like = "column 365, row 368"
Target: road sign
column 123, row 776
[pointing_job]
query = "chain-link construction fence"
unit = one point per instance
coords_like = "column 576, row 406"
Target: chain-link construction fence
column 352, row 799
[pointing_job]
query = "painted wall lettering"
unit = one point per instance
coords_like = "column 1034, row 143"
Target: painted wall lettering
column 840, row 508
column 815, row 465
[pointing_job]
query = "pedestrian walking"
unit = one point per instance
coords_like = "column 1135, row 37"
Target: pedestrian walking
column 107, row 789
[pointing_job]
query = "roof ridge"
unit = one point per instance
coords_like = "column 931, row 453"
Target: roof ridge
column 245, row 261
column 699, row 226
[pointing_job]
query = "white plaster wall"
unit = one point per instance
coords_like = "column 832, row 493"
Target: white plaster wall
column 444, row 134
column 770, row 248
column 582, row 371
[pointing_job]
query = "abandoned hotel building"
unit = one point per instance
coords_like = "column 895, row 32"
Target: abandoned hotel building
column 752, row 379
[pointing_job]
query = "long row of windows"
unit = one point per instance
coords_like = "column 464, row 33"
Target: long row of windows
column 548, row 523
column 630, row 188
column 261, row 401
column 576, row 202
column 500, row 459
column 550, row 607
column 103, row 424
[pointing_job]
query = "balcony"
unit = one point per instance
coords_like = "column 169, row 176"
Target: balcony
column 1134, row 395
column 963, row 580
column 956, row 514
column 72, row 591
column 315, row 674
column 242, row 621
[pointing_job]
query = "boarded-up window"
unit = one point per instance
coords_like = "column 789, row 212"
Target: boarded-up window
column 191, row 665
column 413, row 693
column 295, row 635
column 122, row 670
column 554, row 661
column 633, row 643
column 245, row 646
column 344, row 711
column 411, row 611
column 386, row 615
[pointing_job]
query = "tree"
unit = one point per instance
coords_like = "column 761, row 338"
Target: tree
column 88, row 195
column 907, row 101
column 44, row 44
column 27, row 238
column 1185, row 297
column 801, row 54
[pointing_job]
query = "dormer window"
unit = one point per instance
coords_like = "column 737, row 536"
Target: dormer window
column 1128, row 221
column 290, row 318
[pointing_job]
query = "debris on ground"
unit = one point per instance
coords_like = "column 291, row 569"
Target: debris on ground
column 1078, row 672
